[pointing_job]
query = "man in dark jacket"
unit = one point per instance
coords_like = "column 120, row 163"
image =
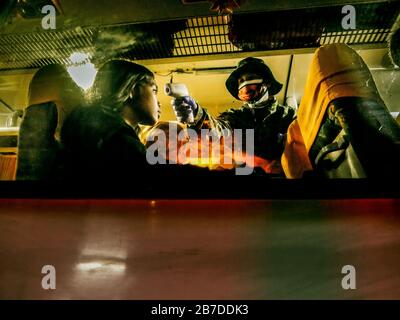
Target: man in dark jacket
column 101, row 140
column 253, row 83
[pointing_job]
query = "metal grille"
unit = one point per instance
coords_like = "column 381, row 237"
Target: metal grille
column 200, row 36
column 204, row 35
column 34, row 50
column 356, row 36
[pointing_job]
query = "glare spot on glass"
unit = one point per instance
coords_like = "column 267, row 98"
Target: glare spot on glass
column 81, row 70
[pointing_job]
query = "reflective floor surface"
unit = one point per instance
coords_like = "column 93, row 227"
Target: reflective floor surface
column 196, row 249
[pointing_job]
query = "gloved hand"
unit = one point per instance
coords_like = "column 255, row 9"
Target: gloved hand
column 185, row 109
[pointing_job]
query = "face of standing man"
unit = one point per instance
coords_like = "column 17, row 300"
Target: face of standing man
column 251, row 87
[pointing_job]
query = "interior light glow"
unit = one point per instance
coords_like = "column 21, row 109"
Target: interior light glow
column 81, row 70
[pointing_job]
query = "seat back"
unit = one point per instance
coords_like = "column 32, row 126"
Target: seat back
column 343, row 128
column 358, row 138
column 37, row 147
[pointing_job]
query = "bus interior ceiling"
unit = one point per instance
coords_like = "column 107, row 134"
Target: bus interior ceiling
column 198, row 47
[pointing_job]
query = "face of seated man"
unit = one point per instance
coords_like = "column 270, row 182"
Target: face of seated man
column 144, row 97
column 143, row 106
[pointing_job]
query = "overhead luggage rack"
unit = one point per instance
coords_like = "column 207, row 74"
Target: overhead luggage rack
column 197, row 36
column 204, row 35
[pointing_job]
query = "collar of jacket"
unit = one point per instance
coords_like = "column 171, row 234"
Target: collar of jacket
column 270, row 105
column 115, row 113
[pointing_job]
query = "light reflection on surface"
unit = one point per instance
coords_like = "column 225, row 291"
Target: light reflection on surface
column 111, row 253
column 103, row 266
column 200, row 249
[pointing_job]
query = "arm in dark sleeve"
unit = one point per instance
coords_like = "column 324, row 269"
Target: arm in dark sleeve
column 126, row 156
column 227, row 120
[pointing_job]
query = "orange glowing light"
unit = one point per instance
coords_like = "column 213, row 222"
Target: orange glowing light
column 204, row 152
